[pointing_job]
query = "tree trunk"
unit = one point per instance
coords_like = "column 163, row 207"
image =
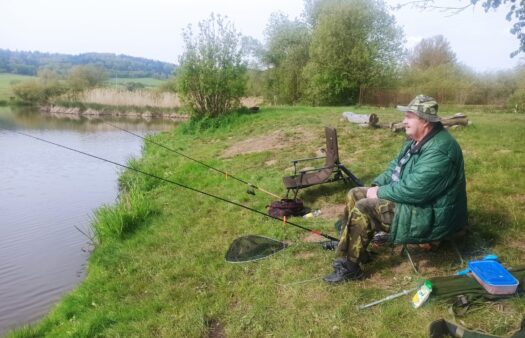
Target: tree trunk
column 362, row 119
column 449, row 121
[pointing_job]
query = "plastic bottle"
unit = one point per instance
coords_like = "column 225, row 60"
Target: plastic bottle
column 312, row 214
column 422, row 294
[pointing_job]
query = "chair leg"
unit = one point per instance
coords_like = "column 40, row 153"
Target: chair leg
column 295, row 192
column 351, row 176
column 454, row 245
column 407, row 252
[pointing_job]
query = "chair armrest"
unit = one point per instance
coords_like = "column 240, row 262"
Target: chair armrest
column 294, row 162
column 315, row 169
column 307, row 159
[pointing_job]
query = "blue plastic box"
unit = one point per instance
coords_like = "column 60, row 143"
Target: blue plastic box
column 493, row 277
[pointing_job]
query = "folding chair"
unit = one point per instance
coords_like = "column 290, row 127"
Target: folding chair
column 332, row 170
column 450, row 238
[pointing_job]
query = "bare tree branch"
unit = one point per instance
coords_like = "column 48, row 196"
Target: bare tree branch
column 516, row 13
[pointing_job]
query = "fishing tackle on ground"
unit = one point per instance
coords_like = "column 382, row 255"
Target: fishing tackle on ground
column 386, row 299
column 252, row 248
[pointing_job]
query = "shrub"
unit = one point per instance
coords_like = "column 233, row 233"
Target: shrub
column 516, row 101
column 133, row 86
column 36, row 91
column 211, row 77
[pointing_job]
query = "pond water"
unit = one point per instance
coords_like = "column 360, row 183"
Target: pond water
column 47, row 198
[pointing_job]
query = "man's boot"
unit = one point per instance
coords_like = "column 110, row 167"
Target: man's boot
column 344, row 270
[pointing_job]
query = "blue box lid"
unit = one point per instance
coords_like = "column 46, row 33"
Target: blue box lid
column 492, row 273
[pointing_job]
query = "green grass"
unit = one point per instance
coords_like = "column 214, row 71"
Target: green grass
column 7, row 80
column 116, row 221
column 166, row 277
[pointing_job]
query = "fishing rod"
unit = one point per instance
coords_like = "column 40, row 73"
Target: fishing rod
column 226, row 174
column 175, row 183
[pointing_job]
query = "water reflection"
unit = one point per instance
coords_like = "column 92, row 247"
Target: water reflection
column 29, row 118
column 45, row 193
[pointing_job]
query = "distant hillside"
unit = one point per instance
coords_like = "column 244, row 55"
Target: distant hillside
column 28, row 63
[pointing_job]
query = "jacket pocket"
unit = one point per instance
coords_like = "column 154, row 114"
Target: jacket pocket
column 421, row 222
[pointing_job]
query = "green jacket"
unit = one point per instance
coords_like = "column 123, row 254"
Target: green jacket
column 430, row 197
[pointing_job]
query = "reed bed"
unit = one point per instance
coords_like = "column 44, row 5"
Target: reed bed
column 140, row 98
column 143, row 98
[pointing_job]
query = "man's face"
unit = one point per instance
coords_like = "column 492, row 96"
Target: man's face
column 414, row 126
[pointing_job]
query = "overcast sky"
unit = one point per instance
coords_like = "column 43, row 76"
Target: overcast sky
column 153, row 28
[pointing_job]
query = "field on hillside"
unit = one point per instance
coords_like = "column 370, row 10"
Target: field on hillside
column 6, row 80
column 160, row 269
column 146, row 81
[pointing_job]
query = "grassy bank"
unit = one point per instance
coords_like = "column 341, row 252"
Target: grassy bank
column 159, row 270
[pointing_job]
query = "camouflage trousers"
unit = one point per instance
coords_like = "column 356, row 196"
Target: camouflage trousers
column 364, row 216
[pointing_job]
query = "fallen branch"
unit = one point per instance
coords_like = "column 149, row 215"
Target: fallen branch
column 455, row 120
column 362, row 120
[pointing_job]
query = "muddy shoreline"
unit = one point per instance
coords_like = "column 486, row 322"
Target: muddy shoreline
column 60, row 111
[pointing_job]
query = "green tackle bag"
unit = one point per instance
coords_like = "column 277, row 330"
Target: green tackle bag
column 461, row 292
column 451, row 288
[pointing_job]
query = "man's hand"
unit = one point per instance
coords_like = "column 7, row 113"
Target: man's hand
column 372, row 192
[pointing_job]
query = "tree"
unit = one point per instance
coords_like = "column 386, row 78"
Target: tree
column 211, row 77
column 516, row 101
column 446, row 82
column 515, row 13
column 253, row 52
column 29, row 63
column 286, row 55
column 433, row 69
column 354, row 43
column 432, row 52
column 86, row 76
column 48, row 75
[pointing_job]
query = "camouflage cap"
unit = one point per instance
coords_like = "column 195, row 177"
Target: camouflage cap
column 423, row 106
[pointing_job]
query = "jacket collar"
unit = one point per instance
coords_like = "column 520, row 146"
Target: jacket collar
column 415, row 148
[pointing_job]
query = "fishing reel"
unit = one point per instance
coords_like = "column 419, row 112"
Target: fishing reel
column 250, row 190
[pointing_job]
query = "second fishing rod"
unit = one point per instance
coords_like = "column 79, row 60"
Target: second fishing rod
column 174, row 183
column 226, row 174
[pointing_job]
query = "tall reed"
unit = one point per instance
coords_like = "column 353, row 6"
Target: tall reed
column 142, row 98
column 120, row 97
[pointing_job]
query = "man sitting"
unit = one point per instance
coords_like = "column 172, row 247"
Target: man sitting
column 420, row 198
